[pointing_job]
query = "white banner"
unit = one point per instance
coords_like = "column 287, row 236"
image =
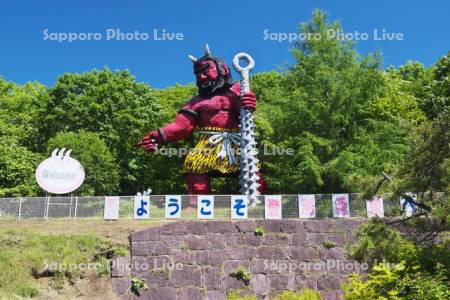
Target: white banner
column 375, row 207
column 306, row 206
column 141, row 207
column 205, row 207
column 111, row 211
column 173, row 207
column 408, row 208
column 272, row 205
column 239, row 207
column 341, row 207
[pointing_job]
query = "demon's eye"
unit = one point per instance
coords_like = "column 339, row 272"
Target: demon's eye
column 201, row 69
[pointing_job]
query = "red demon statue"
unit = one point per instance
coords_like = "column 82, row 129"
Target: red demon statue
column 214, row 116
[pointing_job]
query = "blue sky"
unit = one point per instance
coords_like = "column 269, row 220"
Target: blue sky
column 228, row 26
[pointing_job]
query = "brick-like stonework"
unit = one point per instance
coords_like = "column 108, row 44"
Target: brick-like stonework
column 188, row 260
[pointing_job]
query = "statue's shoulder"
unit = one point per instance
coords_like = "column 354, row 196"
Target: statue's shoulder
column 193, row 101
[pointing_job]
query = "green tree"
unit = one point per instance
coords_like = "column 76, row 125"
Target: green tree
column 102, row 171
column 320, row 111
column 111, row 104
column 18, row 106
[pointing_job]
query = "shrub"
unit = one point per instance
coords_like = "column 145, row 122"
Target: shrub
column 396, row 282
column 259, row 231
column 242, row 274
column 409, row 271
column 304, row 294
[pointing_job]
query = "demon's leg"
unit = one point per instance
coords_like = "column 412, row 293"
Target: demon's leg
column 198, row 184
column 262, row 183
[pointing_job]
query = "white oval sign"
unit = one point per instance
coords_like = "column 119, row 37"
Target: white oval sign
column 60, row 173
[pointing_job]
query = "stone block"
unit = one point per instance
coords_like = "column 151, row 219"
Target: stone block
column 161, row 248
column 121, row 266
column 212, row 277
column 177, row 228
column 278, row 281
column 308, row 282
column 220, row 227
column 258, row 284
column 321, row 226
column 240, row 253
column 141, row 248
column 232, row 283
column 173, row 241
column 196, row 227
column 194, row 242
column 160, row 293
column 333, row 253
column 299, row 239
column 272, row 252
column 190, row 293
column 328, row 283
column 250, row 239
column 231, row 265
column 157, row 278
column 276, row 239
column 120, row 285
column 259, row 266
column 246, row 226
column 303, row 253
column 270, row 225
column 182, row 256
column 149, row 234
column 291, row 226
column 217, row 240
column 186, row 276
column 215, row 295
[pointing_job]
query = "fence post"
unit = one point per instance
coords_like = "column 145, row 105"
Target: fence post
column 76, row 206
column 70, row 209
column 46, row 211
column 20, row 208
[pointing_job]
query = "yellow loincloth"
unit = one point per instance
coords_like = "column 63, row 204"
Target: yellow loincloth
column 209, row 155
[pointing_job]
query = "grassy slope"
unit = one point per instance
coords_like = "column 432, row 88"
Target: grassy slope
column 26, row 247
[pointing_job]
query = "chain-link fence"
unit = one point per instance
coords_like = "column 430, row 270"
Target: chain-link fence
column 75, row 207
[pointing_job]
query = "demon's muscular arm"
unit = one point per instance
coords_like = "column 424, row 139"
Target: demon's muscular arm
column 181, row 128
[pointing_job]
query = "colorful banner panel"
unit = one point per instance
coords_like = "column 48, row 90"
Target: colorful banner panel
column 306, row 206
column 111, row 211
column 173, row 207
column 341, row 207
column 141, row 207
column 239, row 207
column 375, row 207
column 408, row 209
column 205, row 207
column 272, row 204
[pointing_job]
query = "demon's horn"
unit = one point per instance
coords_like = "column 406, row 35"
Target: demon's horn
column 207, row 50
column 192, row 58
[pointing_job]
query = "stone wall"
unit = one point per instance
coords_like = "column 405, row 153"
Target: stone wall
column 196, row 259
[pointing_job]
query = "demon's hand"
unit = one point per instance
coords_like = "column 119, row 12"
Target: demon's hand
column 151, row 142
column 248, row 101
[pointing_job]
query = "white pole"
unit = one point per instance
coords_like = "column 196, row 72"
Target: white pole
column 48, row 204
column 20, row 208
column 70, row 209
column 248, row 161
column 76, row 206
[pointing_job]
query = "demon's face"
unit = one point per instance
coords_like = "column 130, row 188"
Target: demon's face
column 206, row 73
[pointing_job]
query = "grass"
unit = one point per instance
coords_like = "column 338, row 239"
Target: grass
column 27, row 255
column 303, row 294
column 61, row 259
